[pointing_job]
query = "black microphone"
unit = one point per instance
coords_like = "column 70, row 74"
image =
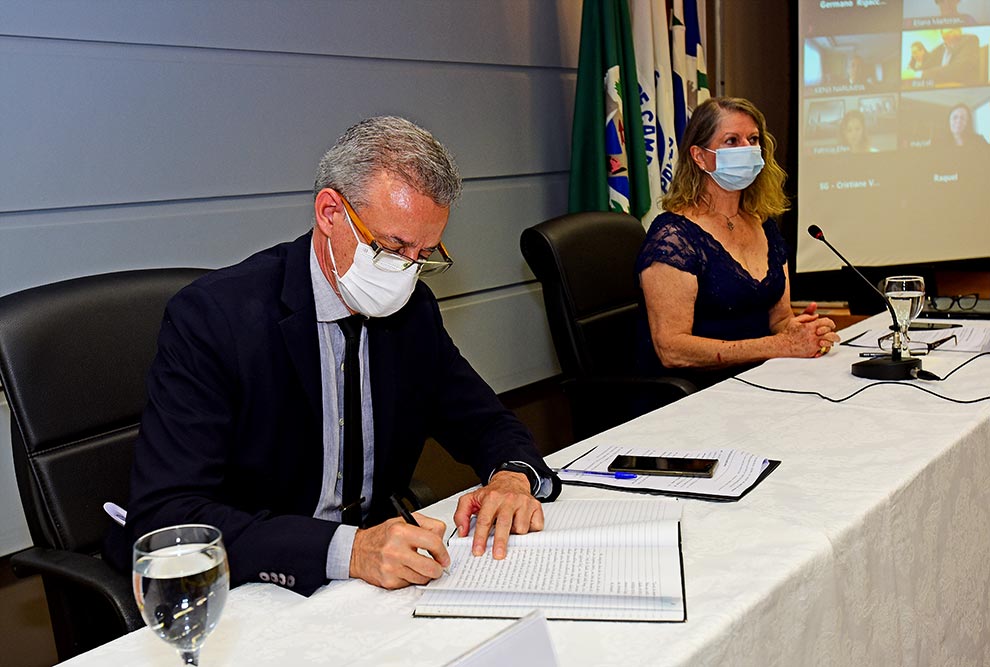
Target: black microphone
column 882, row 368
column 817, row 233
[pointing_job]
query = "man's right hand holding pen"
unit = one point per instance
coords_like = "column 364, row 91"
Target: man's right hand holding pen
column 387, row 555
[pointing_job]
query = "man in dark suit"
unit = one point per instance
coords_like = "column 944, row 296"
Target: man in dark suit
column 955, row 60
column 245, row 428
column 857, row 72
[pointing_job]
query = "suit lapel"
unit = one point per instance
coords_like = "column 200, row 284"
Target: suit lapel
column 383, row 360
column 299, row 329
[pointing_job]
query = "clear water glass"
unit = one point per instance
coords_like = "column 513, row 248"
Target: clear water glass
column 907, row 296
column 181, row 579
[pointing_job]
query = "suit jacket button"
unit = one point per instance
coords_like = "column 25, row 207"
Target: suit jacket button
column 290, row 581
column 281, row 579
column 263, row 576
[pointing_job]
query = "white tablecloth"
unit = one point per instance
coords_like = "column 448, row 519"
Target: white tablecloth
column 869, row 545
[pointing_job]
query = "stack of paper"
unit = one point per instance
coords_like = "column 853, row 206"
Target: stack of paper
column 737, row 473
column 595, row 559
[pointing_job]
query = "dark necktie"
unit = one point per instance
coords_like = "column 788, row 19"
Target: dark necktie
column 353, row 463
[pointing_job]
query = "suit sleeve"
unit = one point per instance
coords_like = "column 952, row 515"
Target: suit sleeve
column 183, row 454
column 964, row 67
column 470, row 421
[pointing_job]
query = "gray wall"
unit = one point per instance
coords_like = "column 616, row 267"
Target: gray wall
column 141, row 133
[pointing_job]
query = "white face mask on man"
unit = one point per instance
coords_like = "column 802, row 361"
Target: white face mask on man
column 369, row 290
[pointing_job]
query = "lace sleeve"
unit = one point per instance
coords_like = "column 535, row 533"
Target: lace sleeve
column 672, row 241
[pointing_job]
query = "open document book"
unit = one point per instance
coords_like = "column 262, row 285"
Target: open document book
column 616, row 560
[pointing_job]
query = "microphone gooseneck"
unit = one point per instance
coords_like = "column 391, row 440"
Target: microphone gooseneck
column 817, row 233
column 897, row 367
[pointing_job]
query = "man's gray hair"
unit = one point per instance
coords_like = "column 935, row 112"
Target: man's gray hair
column 391, row 144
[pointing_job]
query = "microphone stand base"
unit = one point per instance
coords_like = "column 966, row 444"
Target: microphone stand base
column 885, row 368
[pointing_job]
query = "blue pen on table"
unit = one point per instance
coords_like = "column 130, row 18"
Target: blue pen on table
column 408, row 518
column 616, row 475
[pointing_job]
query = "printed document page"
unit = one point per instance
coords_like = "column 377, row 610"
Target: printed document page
column 967, row 339
column 736, row 472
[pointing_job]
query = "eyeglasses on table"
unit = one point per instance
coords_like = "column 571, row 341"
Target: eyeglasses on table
column 964, row 301
column 916, row 348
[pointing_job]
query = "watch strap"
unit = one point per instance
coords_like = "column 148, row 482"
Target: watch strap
column 521, row 466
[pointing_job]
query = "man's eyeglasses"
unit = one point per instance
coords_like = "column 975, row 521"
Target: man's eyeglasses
column 387, row 259
column 917, row 349
column 964, row 301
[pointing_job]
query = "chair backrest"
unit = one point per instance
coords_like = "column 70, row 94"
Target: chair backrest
column 586, row 264
column 74, row 356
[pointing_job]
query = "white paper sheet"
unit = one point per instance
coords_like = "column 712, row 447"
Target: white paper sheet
column 737, row 471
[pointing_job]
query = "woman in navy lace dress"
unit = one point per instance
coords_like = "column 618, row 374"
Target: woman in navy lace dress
column 713, row 267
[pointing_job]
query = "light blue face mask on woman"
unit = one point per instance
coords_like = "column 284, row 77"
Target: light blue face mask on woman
column 736, row 168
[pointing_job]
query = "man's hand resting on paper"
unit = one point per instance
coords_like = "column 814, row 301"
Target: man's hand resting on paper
column 386, row 555
column 504, row 505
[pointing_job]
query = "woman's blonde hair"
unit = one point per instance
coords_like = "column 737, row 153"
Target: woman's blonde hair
column 764, row 198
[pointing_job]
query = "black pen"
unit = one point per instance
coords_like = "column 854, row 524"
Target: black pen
column 874, row 354
column 407, row 517
column 403, row 512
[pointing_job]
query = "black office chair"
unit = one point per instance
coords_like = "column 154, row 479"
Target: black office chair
column 586, row 264
column 73, row 360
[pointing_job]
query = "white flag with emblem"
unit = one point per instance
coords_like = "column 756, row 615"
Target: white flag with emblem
column 687, row 61
column 656, row 96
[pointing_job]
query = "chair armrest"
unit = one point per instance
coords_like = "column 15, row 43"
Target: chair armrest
column 85, row 571
column 666, row 389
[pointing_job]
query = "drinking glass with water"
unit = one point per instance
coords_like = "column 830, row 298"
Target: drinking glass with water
column 181, row 581
column 907, row 297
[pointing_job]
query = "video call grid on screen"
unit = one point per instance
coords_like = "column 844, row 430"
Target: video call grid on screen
column 895, row 130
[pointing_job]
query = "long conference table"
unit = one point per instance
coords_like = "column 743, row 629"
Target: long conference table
column 869, row 545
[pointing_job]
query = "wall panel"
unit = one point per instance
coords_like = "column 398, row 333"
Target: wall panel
column 483, row 234
column 96, row 124
column 484, row 229
column 541, row 33
column 13, row 530
column 504, row 335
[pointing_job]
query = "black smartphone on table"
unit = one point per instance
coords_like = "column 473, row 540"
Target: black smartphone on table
column 663, row 465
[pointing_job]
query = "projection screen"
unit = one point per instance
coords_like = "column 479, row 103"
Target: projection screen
column 894, row 161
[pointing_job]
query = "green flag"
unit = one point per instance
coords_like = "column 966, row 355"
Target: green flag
column 608, row 163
